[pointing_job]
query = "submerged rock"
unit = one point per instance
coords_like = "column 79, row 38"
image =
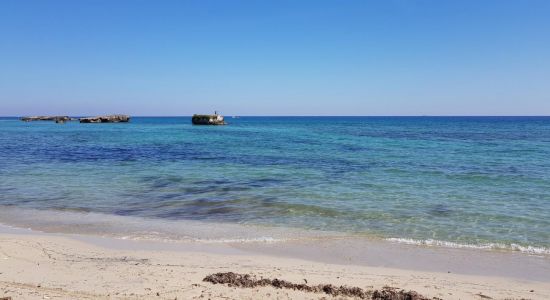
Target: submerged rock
column 106, row 119
column 214, row 119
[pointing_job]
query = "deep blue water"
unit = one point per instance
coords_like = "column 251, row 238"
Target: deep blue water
column 465, row 180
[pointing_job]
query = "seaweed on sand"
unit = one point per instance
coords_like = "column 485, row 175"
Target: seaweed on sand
column 249, row 281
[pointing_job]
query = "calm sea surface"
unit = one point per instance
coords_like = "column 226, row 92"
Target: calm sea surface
column 471, row 181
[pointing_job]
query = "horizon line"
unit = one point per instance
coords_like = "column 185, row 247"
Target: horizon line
column 178, row 116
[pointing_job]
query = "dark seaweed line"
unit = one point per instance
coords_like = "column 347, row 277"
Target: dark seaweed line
column 250, row 281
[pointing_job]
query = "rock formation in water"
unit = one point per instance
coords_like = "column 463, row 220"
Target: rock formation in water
column 57, row 119
column 106, row 119
column 214, row 119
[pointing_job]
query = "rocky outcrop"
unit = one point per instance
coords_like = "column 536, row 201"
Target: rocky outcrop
column 106, row 119
column 208, row 120
column 57, row 119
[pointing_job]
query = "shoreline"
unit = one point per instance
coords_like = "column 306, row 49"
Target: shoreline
column 129, row 233
column 95, row 267
column 169, row 230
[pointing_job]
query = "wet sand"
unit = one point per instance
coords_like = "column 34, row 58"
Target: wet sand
column 47, row 266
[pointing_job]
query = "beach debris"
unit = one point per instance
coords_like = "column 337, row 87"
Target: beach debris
column 250, row 281
column 214, row 119
column 106, row 119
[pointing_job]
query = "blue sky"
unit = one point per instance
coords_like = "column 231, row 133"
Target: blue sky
column 275, row 57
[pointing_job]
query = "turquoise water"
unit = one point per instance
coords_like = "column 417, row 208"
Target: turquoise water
column 473, row 181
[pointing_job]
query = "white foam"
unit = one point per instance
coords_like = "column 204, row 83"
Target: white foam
column 486, row 246
column 241, row 240
column 141, row 229
column 159, row 238
column 136, row 228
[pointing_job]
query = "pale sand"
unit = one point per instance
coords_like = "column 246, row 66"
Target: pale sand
column 39, row 266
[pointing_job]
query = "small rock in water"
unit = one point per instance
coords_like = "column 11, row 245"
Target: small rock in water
column 57, row 119
column 214, row 119
column 106, row 119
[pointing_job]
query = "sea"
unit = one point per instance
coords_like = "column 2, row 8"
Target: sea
column 463, row 182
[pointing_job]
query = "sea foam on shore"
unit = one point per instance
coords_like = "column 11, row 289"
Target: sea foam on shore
column 485, row 246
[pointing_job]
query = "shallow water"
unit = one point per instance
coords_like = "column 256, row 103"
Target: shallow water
column 464, row 181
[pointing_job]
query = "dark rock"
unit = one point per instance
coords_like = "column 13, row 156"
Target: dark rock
column 106, row 119
column 214, row 119
column 57, row 119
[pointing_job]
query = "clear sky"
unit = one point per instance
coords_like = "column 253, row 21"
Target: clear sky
column 258, row 57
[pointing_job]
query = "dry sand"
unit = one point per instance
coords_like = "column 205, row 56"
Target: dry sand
column 39, row 266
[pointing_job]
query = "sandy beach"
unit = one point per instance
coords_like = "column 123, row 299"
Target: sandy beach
column 184, row 149
column 49, row 266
